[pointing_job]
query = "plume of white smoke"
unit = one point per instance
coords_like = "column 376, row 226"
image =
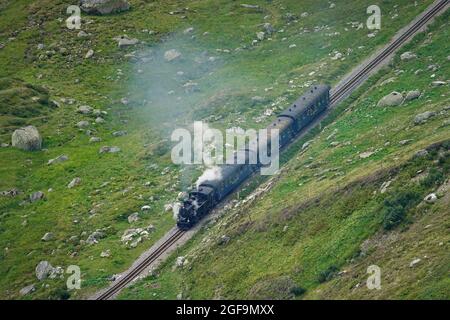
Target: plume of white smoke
column 176, row 210
column 213, row 173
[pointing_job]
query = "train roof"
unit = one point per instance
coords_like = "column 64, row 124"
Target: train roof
column 310, row 96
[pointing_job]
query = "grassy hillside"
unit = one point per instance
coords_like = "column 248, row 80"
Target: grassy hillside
column 326, row 217
column 220, row 71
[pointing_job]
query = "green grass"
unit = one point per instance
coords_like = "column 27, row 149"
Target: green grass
column 334, row 205
column 226, row 87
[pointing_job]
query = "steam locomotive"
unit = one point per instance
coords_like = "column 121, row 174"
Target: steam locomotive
column 289, row 123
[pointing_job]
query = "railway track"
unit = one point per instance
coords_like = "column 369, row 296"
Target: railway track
column 135, row 272
column 339, row 93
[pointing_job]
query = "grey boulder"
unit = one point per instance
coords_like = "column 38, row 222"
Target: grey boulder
column 48, row 237
column 36, row 196
column 408, row 55
column 124, row 41
column 392, row 99
column 75, row 182
column 43, row 270
column 27, row 138
column 412, row 95
column 423, row 117
column 27, row 290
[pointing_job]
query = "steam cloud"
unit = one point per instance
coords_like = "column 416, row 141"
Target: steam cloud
column 176, row 210
column 214, row 173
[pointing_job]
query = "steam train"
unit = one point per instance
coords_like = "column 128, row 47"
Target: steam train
column 289, row 123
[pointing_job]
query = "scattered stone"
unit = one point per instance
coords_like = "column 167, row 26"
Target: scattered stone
column 74, row 239
column 223, row 240
column 119, row 133
column 99, row 120
column 268, row 28
column 36, row 196
column 89, row 54
column 431, row 198
column 27, row 138
column 366, row 154
column 48, row 236
column 27, row 290
column 260, row 36
column 334, row 144
column 95, row 237
column 411, row 95
column 98, row 112
column 408, row 55
column 168, row 207
column 405, row 142
column 43, row 270
column 145, row 208
column 106, row 149
column 58, row 159
column 249, row 6
column 95, row 139
column 421, row 153
column 392, row 99
column 414, row 262
column 105, row 254
column 82, row 34
column 172, row 55
column 438, row 83
column 104, row 7
column 433, row 67
column 135, row 243
column 423, row 117
column 384, row 186
column 180, row 261
column 85, row 110
column 82, row 124
column 128, row 235
column 134, row 217
column 124, row 41
column 387, row 81
column 337, row 56
column 188, row 30
column 306, row 145
column 10, row 193
column 75, row 182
